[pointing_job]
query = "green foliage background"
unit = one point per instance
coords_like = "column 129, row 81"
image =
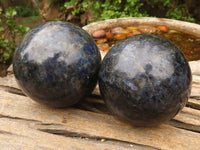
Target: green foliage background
column 108, row 9
column 10, row 34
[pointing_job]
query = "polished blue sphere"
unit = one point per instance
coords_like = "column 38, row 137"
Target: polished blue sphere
column 57, row 63
column 145, row 80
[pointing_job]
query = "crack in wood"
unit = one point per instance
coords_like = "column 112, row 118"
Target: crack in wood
column 190, row 115
column 50, row 124
column 12, row 134
column 56, row 129
column 181, row 125
column 12, row 90
column 193, row 105
column 18, row 118
column 66, row 133
column 63, row 130
column 5, row 132
column 195, row 97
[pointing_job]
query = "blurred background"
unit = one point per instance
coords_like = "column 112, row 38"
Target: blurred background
column 82, row 12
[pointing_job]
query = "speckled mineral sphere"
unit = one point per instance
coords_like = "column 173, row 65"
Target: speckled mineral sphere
column 145, row 80
column 57, row 63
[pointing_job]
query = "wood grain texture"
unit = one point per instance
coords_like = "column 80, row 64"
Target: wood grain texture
column 25, row 124
column 80, row 123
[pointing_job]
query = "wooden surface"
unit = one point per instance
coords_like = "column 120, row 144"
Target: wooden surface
column 25, row 124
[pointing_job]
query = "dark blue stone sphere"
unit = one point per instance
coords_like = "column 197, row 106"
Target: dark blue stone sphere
column 145, row 80
column 57, row 64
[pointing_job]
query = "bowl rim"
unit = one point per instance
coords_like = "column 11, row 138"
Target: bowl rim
column 183, row 26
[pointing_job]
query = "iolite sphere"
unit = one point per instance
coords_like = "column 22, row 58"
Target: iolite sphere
column 57, row 63
column 145, row 80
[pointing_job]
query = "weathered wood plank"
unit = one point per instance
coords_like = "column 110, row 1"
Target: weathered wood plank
column 188, row 119
column 195, row 92
column 194, row 103
column 187, row 115
column 94, row 125
column 9, row 81
column 194, row 65
column 20, row 135
column 96, row 107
